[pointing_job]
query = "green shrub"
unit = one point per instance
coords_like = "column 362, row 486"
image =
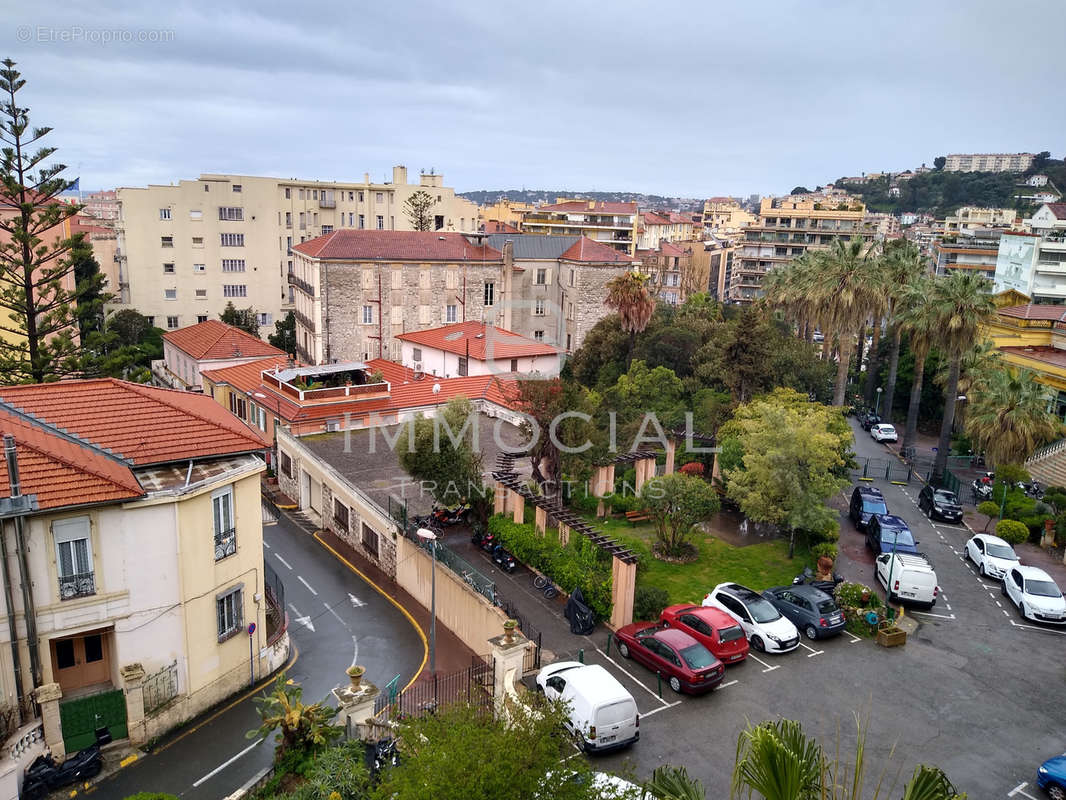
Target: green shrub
column 1012, row 531
column 340, row 769
column 583, row 502
column 648, row 601
column 850, row 594
column 620, row 504
column 988, row 508
column 827, row 549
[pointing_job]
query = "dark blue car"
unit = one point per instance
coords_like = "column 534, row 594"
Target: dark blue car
column 1051, row 777
column 887, row 532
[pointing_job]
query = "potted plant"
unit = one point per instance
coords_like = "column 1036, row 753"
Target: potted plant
column 355, row 675
column 509, row 627
column 888, row 635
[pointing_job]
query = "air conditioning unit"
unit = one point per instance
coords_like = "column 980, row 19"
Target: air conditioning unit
column 418, row 366
column 333, row 425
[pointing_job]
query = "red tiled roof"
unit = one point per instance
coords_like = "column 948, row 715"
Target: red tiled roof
column 671, row 249
column 1035, row 311
column 144, row 424
column 495, row 226
column 348, row 244
column 1058, row 209
column 585, row 249
column 653, row 218
column 215, row 339
column 475, row 338
column 1047, row 355
column 591, row 207
column 62, row 471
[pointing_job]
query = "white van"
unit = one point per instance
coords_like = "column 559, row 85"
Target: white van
column 913, row 578
column 602, row 712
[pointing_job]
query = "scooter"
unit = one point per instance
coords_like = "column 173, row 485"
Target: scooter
column 451, row 516
column 486, row 540
column 44, row 775
column 385, row 755
column 504, row 560
column 1033, row 490
column 982, row 490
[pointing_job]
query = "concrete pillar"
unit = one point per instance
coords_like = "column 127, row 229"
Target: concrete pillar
column 499, row 499
column 599, row 482
column 355, row 708
column 671, row 452
column 518, row 507
column 133, row 688
column 641, row 468
column 716, row 475
column 540, row 520
column 564, row 533
column 609, row 488
column 48, row 697
column 624, row 581
column 508, row 653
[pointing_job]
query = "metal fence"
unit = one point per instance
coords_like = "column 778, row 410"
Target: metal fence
column 887, row 468
column 471, row 686
column 160, row 687
column 397, row 509
column 484, row 586
column 532, row 658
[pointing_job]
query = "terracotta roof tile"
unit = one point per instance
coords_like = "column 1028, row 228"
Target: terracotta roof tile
column 479, row 340
column 1034, row 311
column 585, row 249
column 348, row 244
column 215, row 339
column 1058, row 209
column 495, row 226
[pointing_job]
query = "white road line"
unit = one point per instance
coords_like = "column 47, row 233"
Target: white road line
column 1005, row 613
column 1019, row 789
column 854, row 638
column 310, row 588
column 999, row 604
column 928, row 614
column 724, row 685
column 338, row 617
column 266, row 544
column 813, row 652
column 222, row 766
column 947, row 606
column 768, row 667
column 632, row 676
column 282, row 560
column 1034, row 628
column 660, row 708
column 271, row 522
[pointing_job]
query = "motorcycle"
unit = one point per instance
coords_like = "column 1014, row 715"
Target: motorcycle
column 44, row 775
column 807, row 577
column 982, row 490
column 504, row 560
column 1033, row 490
column 450, row 516
column 486, row 540
column 385, row 755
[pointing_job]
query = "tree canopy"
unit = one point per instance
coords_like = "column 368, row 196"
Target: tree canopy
column 418, row 208
column 443, row 456
column 675, row 504
column 244, row 318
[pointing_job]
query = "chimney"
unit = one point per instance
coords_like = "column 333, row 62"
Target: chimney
column 508, row 254
column 592, row 205
column 399, row 175
column 366, row 177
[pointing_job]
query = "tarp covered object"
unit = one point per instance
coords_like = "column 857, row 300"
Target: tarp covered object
column 581, row 618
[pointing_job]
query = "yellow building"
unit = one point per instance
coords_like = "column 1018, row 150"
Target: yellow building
column 1032, row 336
column 726, row 217
column 509, row 212
column 614, row 224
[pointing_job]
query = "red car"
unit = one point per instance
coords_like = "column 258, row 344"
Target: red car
column 711, row 627
column 687, row 665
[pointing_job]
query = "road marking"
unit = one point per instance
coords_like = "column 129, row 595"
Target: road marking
column 947, row 605
column 355, row 650
column 310, row 588
column 813, row 652
column 355, row 601
column 271, row 522
column 282, row 560
column 661, row 708
column 338, row 617
column 1020, row 789
column 305, row 621
column 724, row 685
column 266, row 544
column 222, row 766
column 929, row 614
column 768, row 667
column 854, row 638
column 999, row 604
column 632, row 677
column 1034, row 628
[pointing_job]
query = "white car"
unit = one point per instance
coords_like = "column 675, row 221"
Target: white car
column 1035, row 594
column 883, row 432
column 992, row 555
column 767, row 630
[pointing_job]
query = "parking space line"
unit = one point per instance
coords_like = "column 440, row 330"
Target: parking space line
column 929, row 614
column 724, row 685
column 813, row 652
column 1034, row 628
column 1020, row 789
column 283, row 561
column 632, row 677
column 999, row 604
column 854, row 638
column 661, row 708
column 768, row 667
column 266, row 544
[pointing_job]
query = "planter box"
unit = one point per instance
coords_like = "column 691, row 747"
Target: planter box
column 891, row 637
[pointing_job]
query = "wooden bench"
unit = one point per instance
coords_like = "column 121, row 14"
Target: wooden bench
column 637, row 516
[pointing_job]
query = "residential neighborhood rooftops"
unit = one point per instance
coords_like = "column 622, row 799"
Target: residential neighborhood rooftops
column 590, row 207
column 585, row 249
column 478, row 340
column 215, row 339
column 348, row 244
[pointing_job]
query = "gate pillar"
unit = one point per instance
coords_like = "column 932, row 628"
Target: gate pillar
column 133, row 688
column 48, row 697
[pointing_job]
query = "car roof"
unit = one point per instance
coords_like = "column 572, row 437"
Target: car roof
column 710, row 614
column 738, row 591
column 988, row 538
column 873, row 491
column 675, row 637
column 890, row 521
column 808, row 591
column 885, row 425
column 913, row 560
column 1033, row 573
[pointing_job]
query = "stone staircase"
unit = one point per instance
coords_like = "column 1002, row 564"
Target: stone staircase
column 1048, row 464
column 307, row 520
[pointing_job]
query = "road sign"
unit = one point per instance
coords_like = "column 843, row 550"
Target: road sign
column 251, row 628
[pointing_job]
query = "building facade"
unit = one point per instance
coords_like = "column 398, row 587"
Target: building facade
column 971, row 252
column 1034, row 264
column 612, row 224
column 988, row 162
column 188, row 249
column 210, row 344
column 474, row 348
column 974, row 217
column 508, row 212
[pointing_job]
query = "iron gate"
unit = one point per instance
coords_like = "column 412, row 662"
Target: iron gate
column 79, row 718
column 891, row 469
column 532, row 659
column 470, row 686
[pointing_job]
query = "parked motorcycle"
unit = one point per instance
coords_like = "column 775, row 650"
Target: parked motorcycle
column 981, row 490
column 504, row 560
column 451, row 516
column 44, row 775
column 385, row 755
column 486, row 540
column 1033, row 490
column 807, row 577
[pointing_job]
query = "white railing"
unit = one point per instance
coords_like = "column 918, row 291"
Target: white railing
column 1046, row 451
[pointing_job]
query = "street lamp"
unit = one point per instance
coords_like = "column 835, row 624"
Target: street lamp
column 436, row 394
column 877, row 406
column 429, row 536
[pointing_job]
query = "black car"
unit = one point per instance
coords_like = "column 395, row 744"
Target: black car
column 865, row 502
column 939, row 503
column 868, row 419
column 886, row 533
column 811, row 610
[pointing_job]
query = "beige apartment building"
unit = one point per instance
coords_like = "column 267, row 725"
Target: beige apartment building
column 725, row 216
column 609, row 223
column 788, row 227
column 970, row 218
column 988, row 162
column 508, row 212
column 187, row 249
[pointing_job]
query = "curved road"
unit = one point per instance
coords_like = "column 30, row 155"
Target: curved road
column 335, row 618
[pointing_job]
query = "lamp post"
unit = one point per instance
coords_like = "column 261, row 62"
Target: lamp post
column 891, row 565
column 429, row 536
column 436, row 395
column 877, row 405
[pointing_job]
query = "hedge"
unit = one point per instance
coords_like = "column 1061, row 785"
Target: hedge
column 579, row 564
column 1012, row 531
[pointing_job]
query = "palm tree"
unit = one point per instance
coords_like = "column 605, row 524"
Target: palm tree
column 786, row 289
column 779, row 761
column 628, row 295
column 673, row 783
column 914, row 316
column 903, row 265
column 1009, row 416
column 977, row 365
column 962, row 303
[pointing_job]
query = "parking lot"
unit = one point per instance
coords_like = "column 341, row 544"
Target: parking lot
column 975, row 690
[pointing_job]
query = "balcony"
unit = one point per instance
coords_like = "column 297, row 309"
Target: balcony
column 304, row 320
column 326, row 202
column 225, row 543
column 301, row 284
column 82, row 584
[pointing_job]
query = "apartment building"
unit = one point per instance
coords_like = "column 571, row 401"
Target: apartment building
column 788, row 227
column 611, row 224
column 970, row 218
column 474, row 348
column 507, row 212
column 208, row 345
column 663, row 226
column 970, row 250
column 1034, row 264
column 188, row 249
column 356, row 291
column 725, row 216
column 988, row 162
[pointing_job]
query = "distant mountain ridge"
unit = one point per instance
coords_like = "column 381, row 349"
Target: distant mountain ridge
column 644, row 201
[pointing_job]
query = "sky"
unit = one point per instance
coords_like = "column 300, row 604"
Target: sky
column 690, row 99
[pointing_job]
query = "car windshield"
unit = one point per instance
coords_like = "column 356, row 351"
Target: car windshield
column 900, row 536
column 827, row 607
column 1001, row 551
column 762, row 611
column 1042, row 589
column 945, row 497
column 874, row 507
column 697, row 656
column 730, row 634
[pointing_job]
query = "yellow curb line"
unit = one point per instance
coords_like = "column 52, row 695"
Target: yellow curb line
column 291, row 507
column 391, row 599
column 127, row 760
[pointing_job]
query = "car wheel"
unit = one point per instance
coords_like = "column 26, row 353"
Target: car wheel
column 811, row 631
column 1003, row 588
column 675, row 684
column 981, row 567
column 1056, row 792
column 623, row 649
column 756, row 642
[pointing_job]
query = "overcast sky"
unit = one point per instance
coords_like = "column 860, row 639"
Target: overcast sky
column 694, row 99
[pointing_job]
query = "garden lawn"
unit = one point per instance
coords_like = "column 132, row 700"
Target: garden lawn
column 757, row 566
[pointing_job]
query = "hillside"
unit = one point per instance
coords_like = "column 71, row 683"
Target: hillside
column 489, row 196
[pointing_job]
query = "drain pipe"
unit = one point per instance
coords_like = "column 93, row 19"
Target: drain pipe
column 16, row 660
column 29, row 612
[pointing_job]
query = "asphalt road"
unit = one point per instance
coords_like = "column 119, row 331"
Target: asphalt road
column 974, row 690
column 336, row 619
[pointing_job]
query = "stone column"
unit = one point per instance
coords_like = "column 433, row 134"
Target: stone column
column 641, row 468
column 671, row 452
column 133, row 688
column 540, row 520
column 508, row 652
column 499, row 499
column 518, row 507
column 48, row 697
column 355, row 708
column 623, row 585
column 564, row 533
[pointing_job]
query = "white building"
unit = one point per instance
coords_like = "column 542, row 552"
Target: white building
column 474, row 348
column 207, row 345
column 1035, row 263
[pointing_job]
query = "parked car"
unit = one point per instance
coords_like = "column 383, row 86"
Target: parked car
column 811, row 610
column 868, row 419
column 687, row 665
column 766, row 628
column 1035, row 594
column 865, row 502
column 711, row 627
column 992, row 555
column 602, row 713
column 883, row 432
column 887, row 532
column 939, row 503
column 913, row 578
column 1051, row 777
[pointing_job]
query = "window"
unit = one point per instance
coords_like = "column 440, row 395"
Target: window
column 368, row 315
column 416, row 353
column 166, row 241
column 288, row 219
column 568, row 341
column 198, row 241
column 234, row 290
column 542, row 276
column 286, row 464
column 438, row 222
column 538, row 336
column 172, row 322
column 201, row 294
column 207, row 187
column 196, row 214
column 201, row 317
column 314, row 194
column 230, row 613
column 237, row 188
column 464, row 366
column 199, row 268
column 225, row 531
column 340, row 514
column 380, row 197
column 514, row 365
column 571, row 277
column 538, row 307
column 288, row 245
column 327, row 229
column 381, row 223
column 170, row 294
column 490, row 293
column 303, row 220
column 232, row 240
column 569, row 310
column 233, row 265
column 266, row 318
column 231, row 213
column 74, row 557
column 168, row 268
column 301, row 194
column 164, row 213
column 351, row 218
column 288, row 193
column 362, row 221
column 151, row 321
column 370, row 540
column 450, row 313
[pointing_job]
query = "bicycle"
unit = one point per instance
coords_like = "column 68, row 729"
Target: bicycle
column 542, row 583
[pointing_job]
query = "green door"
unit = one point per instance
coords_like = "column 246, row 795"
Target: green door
column 82, row 716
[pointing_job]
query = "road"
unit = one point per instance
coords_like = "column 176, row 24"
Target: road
column 336, row 619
